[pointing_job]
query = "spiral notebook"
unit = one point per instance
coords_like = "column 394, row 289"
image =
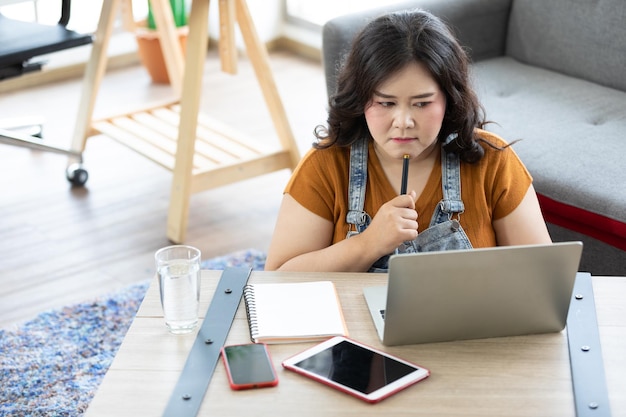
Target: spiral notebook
column 293, row 312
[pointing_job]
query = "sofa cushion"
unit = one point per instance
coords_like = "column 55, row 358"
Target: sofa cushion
column 573, row 140
column 581, row 38
column 481, row 24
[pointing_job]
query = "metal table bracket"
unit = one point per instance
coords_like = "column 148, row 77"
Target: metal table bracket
column 588, row 379
column 205, row 352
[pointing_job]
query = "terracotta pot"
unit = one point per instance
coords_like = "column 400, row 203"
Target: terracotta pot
column 151, row 55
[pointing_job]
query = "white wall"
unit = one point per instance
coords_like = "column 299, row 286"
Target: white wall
column 266, row 15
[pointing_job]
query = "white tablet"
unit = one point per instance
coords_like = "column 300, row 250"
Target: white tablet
column 355, row 368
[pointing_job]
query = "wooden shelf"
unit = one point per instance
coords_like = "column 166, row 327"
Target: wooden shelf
column 221, row 153
column 201, row 152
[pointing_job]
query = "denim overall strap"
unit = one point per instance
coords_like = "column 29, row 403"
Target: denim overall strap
column 356, row 187
column 451, row 187
column 445, row 232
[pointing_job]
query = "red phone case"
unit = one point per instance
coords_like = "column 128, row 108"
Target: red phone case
column 256, row 384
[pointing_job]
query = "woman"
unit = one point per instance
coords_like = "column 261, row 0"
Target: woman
column 404, row 90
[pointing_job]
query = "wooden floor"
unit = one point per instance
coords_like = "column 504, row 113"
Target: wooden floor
column 60, row 245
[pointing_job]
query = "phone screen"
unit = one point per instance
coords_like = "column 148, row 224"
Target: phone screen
column 355, row 367
column 249, row 366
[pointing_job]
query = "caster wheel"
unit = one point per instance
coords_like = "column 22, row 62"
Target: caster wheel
column 76, row 175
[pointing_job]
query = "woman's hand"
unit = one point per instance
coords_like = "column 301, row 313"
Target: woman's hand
column 394, row 223
column 302, row 240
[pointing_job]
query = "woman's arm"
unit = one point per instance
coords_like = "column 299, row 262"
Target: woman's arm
column 302, row 240
column 524, row 225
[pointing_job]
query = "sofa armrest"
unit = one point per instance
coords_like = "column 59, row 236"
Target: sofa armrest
column 480, row 25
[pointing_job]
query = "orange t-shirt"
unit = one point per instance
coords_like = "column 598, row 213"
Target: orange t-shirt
column 490, row 188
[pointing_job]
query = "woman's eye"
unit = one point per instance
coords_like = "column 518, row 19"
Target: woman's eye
column 422, row 104
column 386, row 103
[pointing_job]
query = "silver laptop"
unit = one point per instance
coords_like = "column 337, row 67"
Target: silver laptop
column 475, row 293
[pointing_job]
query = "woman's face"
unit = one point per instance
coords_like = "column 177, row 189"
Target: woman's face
column 405, row 113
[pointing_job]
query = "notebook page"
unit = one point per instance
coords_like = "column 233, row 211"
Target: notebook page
column 299, row 311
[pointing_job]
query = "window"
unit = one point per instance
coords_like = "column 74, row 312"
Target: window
column 83, row 16
column 314, row 13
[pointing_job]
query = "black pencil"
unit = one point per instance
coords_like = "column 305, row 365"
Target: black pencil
column 405, row 174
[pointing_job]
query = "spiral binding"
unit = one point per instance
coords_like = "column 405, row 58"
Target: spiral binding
column 248, row 296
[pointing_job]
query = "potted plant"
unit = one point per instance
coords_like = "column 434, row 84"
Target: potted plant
column 149, row 45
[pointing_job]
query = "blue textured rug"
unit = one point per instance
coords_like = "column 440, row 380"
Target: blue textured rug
column 53, row 364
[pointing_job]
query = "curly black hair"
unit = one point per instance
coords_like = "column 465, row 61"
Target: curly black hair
column 384, row 47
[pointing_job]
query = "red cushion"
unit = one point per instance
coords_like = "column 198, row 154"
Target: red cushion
column 607, row 230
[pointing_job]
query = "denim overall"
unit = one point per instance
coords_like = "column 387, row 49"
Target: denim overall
column 444, row 231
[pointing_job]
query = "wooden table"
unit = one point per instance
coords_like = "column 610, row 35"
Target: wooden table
column 515, row 376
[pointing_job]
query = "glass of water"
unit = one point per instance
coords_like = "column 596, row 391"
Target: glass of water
column 178, row 268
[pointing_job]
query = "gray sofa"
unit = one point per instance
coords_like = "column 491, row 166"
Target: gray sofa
column 552, row 73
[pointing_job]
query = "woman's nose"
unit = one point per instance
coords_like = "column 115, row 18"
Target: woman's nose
column 403, row 119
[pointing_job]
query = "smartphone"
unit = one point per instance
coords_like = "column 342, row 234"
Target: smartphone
column 249, row 366
column 356, row 369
